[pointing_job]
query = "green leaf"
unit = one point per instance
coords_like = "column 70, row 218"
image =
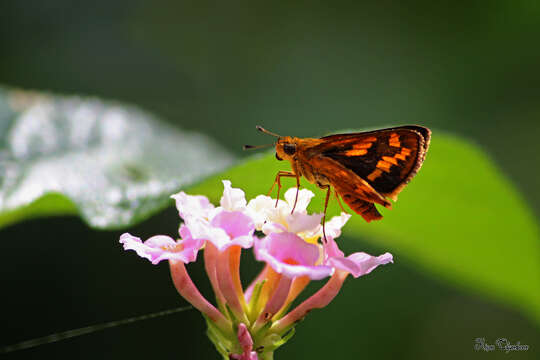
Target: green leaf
column 113, row 164
column 460, row 219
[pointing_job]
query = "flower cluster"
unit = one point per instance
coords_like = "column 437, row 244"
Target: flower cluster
column 250, row 323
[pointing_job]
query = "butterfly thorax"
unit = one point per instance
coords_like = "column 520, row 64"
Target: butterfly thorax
column 296, row 151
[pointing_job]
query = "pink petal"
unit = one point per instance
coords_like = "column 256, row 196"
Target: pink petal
column 227, row 228
column 331, row 249
column 161, row 247
column 201, row 229
column 291, row 256
column 289, row 246
column 152, row 253
column 234, row 223
column 359, row 263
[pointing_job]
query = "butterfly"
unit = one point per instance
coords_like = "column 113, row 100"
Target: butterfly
column 364, row 168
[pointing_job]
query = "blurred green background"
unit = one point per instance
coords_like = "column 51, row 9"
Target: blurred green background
column 298, row 68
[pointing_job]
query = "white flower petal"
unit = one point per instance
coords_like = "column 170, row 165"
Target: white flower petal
column 304, row 197
column 333, row 227
column 299, row 222
column 272, row 227
column 315, row 232
column 192, row 205
column 233, row 199
column 279, row 213
column 259, row 209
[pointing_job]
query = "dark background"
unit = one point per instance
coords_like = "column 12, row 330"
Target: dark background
column 298, row 68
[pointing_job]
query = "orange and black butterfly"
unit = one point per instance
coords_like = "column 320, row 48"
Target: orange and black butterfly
column 364, row 168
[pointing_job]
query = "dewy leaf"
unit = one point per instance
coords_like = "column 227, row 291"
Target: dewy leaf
column 459, row 219
column 114, row 164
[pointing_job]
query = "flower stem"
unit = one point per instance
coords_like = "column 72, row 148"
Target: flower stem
column 275, row 303
column 318, row 300
column 227, row 286
column 234, row 269
column 185, row 287
column 298, row 285
column 210, row 259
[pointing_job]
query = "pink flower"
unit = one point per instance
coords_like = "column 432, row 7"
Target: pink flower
column 251, row 324
column 227, row 228
column 356, row 264
column 290, row 255
column 224, row 226
column 161, row 247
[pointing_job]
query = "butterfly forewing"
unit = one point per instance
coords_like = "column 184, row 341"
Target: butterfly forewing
column 387, row 159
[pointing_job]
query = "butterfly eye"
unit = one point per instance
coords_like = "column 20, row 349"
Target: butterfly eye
column 289, row 149
column 277, row 157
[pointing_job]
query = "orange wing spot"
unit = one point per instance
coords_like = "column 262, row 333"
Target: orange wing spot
column 383, row 165
column 400, row 157
column 362, row 145
column 394, row 140
column 391, row 160
column 405, row 151
column 358, row 152
column 374, row 175
column 370, row 139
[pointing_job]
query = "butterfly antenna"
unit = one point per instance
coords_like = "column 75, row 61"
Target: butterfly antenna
column 261, row 129
column 251, row 147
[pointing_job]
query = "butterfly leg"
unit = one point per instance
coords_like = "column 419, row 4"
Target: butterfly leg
column 277, row 181
column 297, row 191
column 339, row 201
column 328, row 191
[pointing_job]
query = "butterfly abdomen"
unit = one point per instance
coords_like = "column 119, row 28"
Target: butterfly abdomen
column 366, row 209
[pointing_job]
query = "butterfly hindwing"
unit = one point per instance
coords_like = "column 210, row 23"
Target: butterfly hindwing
column 366, row 209
column 354, row 190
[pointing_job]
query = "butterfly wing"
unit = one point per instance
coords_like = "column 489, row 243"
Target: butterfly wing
column 354, row 190
column 385, row 159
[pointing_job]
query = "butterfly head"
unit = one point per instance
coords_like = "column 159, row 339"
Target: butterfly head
column 285, row 148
